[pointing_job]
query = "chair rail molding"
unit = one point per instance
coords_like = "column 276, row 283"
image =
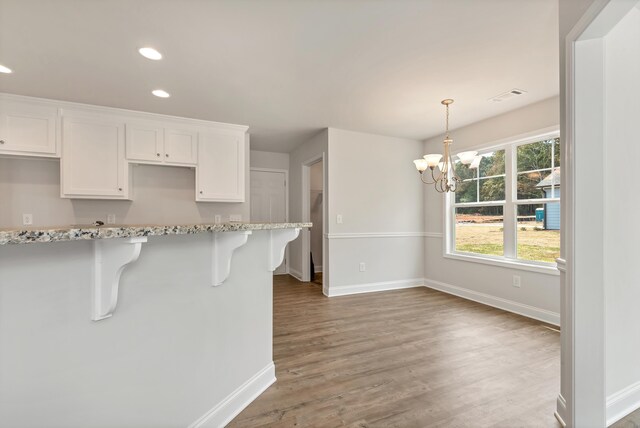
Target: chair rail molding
column 278, row 240
column 110, row 258
column 223, row 244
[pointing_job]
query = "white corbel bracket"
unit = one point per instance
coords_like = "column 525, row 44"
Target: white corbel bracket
column 110, row 257
column 278, row 240
column 223, row 245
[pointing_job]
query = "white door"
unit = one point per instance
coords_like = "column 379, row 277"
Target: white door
column 269, row 200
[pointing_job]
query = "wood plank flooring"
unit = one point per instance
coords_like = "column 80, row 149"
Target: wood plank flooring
column 405, row 358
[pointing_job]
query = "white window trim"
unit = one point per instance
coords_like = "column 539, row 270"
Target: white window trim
column 508, row 212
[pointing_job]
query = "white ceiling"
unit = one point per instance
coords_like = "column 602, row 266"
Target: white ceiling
column 287, row 68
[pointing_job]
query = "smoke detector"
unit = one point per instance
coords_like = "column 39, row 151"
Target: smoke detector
column 508, row 95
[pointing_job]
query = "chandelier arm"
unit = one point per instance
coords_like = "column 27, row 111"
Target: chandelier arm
column 423, row 180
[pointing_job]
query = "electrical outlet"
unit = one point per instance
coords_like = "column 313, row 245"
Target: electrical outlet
column 27, row 219
column 235, row 217
column 111, row 219
column 363, row 266
column 217, row 219
column 339, row 219
column 516, row 281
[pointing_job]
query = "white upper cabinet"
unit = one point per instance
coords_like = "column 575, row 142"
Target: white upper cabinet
column 28, row 128
column 153, row 143
column 221, row 166
column 145, row 142
column 180, row 146
column 93, row 158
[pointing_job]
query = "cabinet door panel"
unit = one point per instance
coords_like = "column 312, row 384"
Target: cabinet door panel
column 93, row 163
column 220, row 175
column 145, row 143
column 27, row 128
column 180, row 146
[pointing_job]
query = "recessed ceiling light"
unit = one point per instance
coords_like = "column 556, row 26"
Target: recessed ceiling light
column 160, row 93
column 150, row 53
column 4, row 69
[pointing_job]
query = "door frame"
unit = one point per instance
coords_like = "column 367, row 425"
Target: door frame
column 306, row 217
column 286, row 202
column 582, row 400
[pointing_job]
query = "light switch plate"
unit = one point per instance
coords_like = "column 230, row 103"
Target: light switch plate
column 363, row 266
column 235, row 217
column 339, row 219
column 111, row 219
column 217, row 219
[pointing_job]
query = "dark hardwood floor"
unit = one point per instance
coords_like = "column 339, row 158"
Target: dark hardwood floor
column 405, row 358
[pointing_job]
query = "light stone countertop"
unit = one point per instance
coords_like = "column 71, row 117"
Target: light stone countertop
column 90, row 232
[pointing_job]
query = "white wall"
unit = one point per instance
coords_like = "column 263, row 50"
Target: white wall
column 317, row 145
column 621, row 236
column 271, row 160
column 161, row 194
column 175, row 347
column 375, row 188
column 317, row 209
column 540, row 293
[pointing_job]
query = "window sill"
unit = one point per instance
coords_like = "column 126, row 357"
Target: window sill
column 547, row 269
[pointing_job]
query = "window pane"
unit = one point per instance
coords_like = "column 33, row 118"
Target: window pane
column 467, row 191
column 534, row 156
column 539, row 232
column 556, row 151
column 492, row 164
column 535, row 184
column 480, row 230
column 492, row 189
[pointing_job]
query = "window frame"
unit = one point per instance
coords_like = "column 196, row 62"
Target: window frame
column 509, row 209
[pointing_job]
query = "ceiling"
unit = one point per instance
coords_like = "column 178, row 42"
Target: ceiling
column 287, row 68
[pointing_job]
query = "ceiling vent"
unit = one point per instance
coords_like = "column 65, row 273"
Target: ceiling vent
column 508, row 95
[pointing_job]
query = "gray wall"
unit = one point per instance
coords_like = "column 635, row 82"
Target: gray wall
column 272, row 160
column 540, row 291
column 175, row 347
column 161, row 194
column 374, row 186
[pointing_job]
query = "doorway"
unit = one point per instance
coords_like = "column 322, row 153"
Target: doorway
column 314, row 209
column 269, row 201
column 316, row 204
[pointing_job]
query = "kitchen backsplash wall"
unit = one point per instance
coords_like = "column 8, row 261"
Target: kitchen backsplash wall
column 161, row 194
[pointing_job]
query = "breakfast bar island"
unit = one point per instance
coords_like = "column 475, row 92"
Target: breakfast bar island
column 141, row 325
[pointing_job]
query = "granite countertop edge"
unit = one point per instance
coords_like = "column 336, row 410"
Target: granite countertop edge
column 83, row 233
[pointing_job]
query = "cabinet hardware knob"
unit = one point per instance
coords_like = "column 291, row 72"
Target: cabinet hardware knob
column 167, row 155
column 1, row 141
column 157, row 154
column 201, row 192
column 120, row 189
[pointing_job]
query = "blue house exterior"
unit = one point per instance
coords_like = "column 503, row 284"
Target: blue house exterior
column 552, row 209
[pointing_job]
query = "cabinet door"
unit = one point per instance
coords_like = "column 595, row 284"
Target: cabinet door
column 27, row 128
column 93, row 163
column 221, row 167
column 145, row 142
column 180, row 146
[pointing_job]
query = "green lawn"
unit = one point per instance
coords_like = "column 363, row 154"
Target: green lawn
column 537, row 245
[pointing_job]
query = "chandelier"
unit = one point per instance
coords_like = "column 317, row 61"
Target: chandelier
column 445, row 179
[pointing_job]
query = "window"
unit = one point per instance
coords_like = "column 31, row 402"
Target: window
column 508, row 204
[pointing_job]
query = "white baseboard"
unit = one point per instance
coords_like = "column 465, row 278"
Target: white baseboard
column 224, row 412
column 561, row 410
column 344, row 290
column 623, row 402
column 318, row 269
column 497, row 302
column 295, row 273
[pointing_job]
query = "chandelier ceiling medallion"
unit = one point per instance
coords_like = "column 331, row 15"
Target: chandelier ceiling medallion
column 445, row 179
